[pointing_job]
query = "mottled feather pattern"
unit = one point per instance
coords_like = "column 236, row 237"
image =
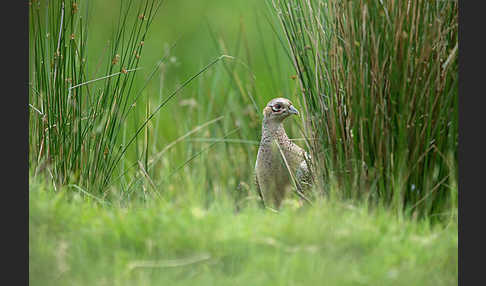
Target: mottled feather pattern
column 271, row 172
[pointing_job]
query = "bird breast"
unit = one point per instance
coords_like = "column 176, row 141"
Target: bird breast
column 270, row 157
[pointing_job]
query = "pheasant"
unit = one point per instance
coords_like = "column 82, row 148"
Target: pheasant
column 277, row 155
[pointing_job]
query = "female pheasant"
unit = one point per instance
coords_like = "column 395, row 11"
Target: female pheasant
column 277, row 155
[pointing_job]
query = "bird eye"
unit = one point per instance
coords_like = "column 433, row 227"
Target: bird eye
column 277, row 106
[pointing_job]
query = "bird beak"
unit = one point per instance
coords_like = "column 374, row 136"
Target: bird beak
column 292, row 110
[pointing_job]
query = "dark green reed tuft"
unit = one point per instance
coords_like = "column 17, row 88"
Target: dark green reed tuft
column 379, row 85
column 77, row 114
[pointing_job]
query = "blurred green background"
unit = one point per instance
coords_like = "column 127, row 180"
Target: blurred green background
column 202, row 31
column 189, row 35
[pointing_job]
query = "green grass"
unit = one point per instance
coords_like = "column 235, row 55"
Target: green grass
column 379, row 85
column 76, row 120
column 180, row 207
column 91, row 159
column 75, row 241
column 384, row 132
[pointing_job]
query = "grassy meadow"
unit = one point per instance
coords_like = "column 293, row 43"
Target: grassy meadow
column 145, row 119
column 75, row 241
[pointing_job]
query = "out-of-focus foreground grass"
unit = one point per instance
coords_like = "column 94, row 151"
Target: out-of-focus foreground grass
column 78, row 242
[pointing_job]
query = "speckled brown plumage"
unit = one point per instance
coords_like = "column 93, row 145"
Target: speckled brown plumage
column 271, row 173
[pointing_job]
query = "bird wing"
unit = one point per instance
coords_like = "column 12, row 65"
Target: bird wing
column 303, row 173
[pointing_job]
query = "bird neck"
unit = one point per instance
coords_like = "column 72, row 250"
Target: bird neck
column 272, row 129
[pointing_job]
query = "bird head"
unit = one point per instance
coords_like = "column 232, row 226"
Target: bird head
column 278, row 109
